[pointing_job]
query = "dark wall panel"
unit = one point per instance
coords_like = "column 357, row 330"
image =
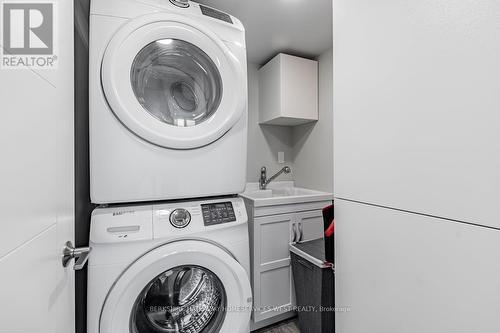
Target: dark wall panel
column 83, row 207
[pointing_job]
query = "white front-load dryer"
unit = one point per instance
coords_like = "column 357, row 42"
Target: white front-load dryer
column 177, row 267
column 168, row 101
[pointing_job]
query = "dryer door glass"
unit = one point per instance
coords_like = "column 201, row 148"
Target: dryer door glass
column 184, row 299
column 176, row 82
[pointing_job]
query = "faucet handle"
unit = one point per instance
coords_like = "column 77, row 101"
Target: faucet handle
column 263, row 172
column 263, row 178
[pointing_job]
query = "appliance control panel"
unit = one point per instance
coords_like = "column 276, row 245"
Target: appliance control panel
column 218, row 212
column 197, row 216
column 138, row 222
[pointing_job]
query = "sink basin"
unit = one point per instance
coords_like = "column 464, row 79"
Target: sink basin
column 282, row 194
column 279, row 192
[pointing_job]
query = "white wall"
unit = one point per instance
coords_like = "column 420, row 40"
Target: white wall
column 308, row 148
column 313, row 143
column 265, row 141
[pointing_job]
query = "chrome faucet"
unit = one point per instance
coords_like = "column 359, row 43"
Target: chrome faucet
column 263, row 181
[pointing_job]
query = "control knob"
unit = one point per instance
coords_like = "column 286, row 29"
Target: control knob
column 180, row 218
column 180, row 3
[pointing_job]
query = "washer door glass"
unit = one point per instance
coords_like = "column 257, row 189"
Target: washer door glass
column 185, row 299
column 176, row 82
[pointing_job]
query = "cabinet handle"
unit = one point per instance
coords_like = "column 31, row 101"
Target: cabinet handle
column 301, row 233
column 294, row 231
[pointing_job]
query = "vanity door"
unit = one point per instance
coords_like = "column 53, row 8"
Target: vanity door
column 272, row 276
column 309, row 225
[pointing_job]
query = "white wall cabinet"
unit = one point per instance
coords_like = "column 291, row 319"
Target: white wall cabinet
column 271, row 235
column 288, row 91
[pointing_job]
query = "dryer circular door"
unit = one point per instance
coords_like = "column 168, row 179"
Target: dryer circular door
column 173, row 82
column 188, row 286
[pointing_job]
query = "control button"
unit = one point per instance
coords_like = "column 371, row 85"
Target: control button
column 180, row 3
column 180, row 218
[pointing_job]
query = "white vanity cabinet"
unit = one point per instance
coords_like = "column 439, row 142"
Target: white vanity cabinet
column 272, row 229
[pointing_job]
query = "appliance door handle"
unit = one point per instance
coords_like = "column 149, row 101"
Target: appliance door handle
column 301, row 233
column 294, row 231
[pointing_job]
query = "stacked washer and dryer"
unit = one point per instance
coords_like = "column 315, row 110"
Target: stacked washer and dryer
column 168, row 139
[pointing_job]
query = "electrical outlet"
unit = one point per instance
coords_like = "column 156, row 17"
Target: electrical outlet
column 281, row 157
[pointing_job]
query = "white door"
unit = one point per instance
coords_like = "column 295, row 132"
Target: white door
column 416, row 106
column 173, row 82
column 402, row 272
column 36, row 190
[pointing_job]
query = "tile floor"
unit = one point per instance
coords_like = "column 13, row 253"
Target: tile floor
column 289, row 326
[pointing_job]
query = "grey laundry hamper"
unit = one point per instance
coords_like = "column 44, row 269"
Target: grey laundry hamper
column 314, row 287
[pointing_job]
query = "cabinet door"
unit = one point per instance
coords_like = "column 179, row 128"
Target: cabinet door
column 401, row 272
column 416, row 121
column 309, row 225
column 273, row 292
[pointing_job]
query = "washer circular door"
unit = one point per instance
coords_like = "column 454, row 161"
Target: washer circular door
column 173, row 82
column 198, row 289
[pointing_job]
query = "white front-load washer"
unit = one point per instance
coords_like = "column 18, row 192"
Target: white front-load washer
column 176, row 267
column 168, row 101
